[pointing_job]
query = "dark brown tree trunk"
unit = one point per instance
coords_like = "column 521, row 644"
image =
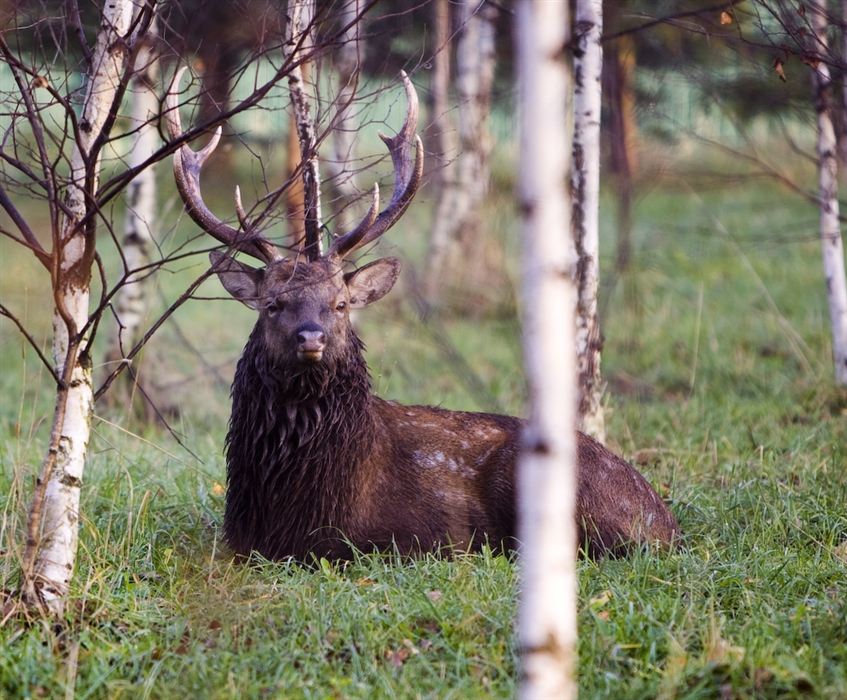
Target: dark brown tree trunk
column 618, row 69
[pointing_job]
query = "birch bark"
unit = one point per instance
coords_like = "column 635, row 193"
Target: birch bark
column 547, row 467
column 830, row 227
column 299, row 44
column 466, row 180
column 52, row 530
column 346, row 61
column 133, row 301
column 588, row 66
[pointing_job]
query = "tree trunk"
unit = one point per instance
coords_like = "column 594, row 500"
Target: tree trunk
column 458, row 222
column 440, row 136
column 299, row 44
column 619, row 65
column 347, row 61
column 53, row 526
column 833, row 247
column 588, row 65
column 547, row 467
column 133, row 298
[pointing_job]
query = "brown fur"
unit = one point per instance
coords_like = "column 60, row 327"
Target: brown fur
column 315, row 462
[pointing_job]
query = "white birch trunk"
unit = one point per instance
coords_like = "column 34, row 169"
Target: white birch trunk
column 299, row 44
column 547, row 468
column 56, row 554
column 347, row 60
column 466, row 181
column 588, row 66
column 833, row 247
column 132, row 301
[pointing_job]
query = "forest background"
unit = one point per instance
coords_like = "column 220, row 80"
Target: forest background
column 717, row 354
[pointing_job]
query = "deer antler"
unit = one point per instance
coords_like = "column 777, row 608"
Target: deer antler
column 187, row 164
column 407, row 178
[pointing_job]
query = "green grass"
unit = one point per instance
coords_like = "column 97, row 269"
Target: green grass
column 719, row 390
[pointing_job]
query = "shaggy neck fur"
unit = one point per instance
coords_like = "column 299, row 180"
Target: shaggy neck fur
column 295, row 434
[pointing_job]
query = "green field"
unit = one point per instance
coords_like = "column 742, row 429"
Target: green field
column 720, row 390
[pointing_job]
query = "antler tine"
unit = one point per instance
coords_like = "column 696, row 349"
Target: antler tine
column 350, row 241
column 187, row 165
column 407, row 178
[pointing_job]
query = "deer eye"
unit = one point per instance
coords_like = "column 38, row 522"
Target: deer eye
column 341, row 306
column 275, row 305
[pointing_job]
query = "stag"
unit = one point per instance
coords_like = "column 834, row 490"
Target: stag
column 317, row 465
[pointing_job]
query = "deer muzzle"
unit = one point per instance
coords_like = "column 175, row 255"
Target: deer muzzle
column 311, row 342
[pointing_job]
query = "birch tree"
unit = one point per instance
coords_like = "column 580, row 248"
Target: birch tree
column 346, row 60
column 50, row 156
column 133, row 299
column 298, row 45
column 547, row 466
column 830, row 227
column 588, row 66
column 465, row 183
column 52, row 527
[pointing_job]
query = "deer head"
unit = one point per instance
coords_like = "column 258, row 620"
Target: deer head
column 304, row 302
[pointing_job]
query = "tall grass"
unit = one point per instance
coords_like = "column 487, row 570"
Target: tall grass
column 719, row 390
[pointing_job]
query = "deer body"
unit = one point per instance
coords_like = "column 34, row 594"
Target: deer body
column 316, row 463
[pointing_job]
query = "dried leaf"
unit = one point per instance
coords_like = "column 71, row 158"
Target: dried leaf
column 600, row 600
column 761, row 678
column 397, row 657
column 218, row 490
column 604, row 615
column 435, row 596
column 726, row 18
column 840, row 552
column 801, row 10
column 777, row 64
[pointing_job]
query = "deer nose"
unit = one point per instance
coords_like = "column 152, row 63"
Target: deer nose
column 311, row 339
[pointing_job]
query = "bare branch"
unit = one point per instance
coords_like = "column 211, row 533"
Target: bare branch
column 4, row 311
column 29, row 237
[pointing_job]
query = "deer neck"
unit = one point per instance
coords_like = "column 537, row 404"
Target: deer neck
column 291, row 429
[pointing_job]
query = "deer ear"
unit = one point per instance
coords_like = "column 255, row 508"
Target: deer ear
column 240, row 280
column 372, row 282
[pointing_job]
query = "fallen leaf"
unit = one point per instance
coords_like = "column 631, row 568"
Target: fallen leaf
column 411, row 647
column 761, row 678
column 218, row 490
column 397, row 657
column 840, row 552
column 600, row 600
column 726, row 18
column 435, row 596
